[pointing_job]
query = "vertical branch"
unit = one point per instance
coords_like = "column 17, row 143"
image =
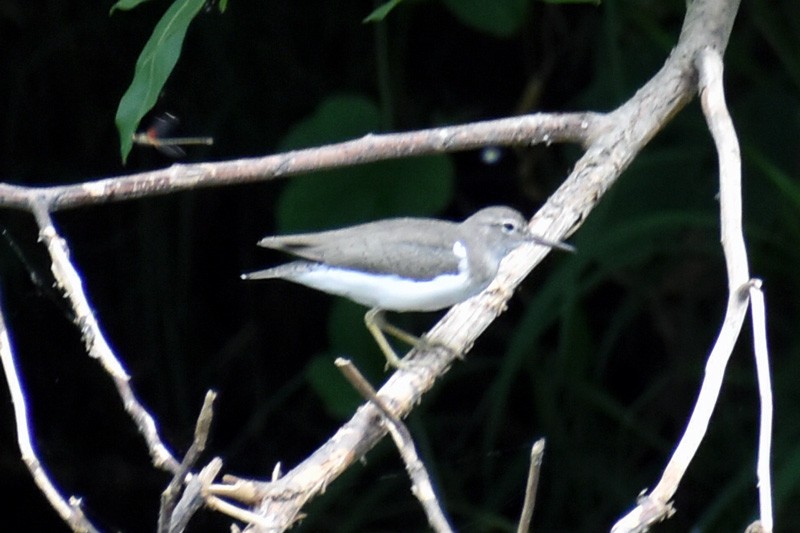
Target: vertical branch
column 758, row 313
column 169, row 498
column 537, row 455
column 656, row 506
column 712, row 98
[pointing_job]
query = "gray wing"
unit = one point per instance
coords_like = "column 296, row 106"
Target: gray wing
column 417, row 248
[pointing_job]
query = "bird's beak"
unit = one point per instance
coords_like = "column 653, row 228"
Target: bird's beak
column 553, row 244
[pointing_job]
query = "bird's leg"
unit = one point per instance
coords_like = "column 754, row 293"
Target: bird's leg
column 377, row 325
column 397, row 333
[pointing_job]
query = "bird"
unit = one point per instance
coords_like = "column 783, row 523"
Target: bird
column 403, row 264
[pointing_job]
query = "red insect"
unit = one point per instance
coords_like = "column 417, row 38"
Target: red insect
column 156, row 136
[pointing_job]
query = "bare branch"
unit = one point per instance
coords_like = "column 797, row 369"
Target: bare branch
column 166, row 517
column 69, row 281
column 243, row 515
column 537, row 454
column 69, row 510
column 759, row 318
column 194, row 495
column 421, row 484
column 525, row 130
column 656, row 506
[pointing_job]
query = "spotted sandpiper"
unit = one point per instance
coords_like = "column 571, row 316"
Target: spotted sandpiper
column 403, row 264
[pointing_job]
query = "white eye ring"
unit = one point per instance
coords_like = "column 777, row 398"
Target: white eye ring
column 509, row 227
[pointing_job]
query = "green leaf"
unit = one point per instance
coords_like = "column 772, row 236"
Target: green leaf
column 595, row 2
column 153, row 67
column 411, row 186
column 501, row 18
column 126, row 5
column 380, row 12
column 349, row 337
column 339, row 397
column 337, row 118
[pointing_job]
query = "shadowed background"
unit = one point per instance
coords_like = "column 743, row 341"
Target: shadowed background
column 601, row 352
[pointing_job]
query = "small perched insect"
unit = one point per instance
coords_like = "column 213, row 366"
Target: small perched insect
column 156, row 136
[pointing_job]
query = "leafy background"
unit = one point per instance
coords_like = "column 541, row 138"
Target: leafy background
column 600, row 352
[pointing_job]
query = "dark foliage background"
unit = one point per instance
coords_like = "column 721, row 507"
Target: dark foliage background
column 601, row 352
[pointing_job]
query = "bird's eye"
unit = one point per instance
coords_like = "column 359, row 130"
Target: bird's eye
column 509, row 227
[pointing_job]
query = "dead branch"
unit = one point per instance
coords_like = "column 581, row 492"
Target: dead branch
column 69, row 509
column 421, row 484
column 168, row 519
column 656, row 506
column 527, row 130
column 537, row 455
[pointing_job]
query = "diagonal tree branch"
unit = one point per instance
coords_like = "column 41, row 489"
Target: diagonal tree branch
column 69, row 280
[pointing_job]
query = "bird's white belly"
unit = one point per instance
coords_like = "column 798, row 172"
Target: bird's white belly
column 392, row 293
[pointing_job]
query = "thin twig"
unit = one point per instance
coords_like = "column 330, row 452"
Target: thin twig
column 243, row 515
column 537, row 454
column 194, row 496
column 68, row 509
column 168, row 498
column 758, row 316
column 421, row 484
